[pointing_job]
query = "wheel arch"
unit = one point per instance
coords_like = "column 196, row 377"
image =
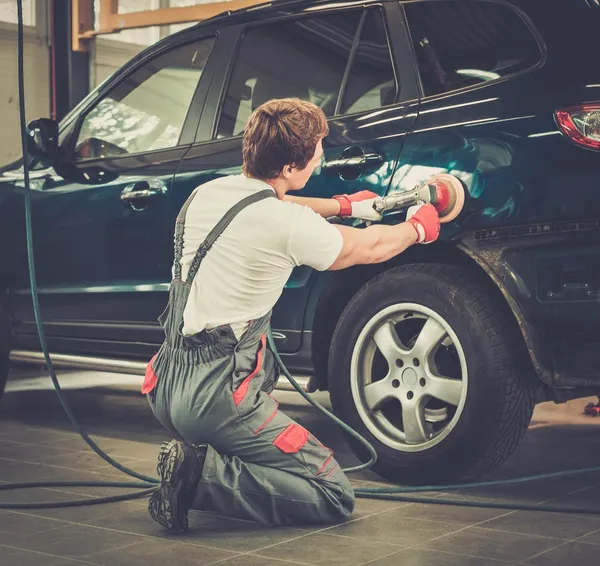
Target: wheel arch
column 341, row 286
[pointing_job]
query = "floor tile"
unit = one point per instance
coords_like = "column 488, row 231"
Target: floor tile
column 254, row 560
column 17, row 523
column 233, row 535
column 73, row 562
column 365, row 507
column 84, row 461
column 529, row 492
column 485, row 543
column 86, row 513
column 394, row 528
column 19, row 557
column 569, row 554
column 159, row 552
column 70, row 440
column 98, row 491
column 127, row 449
column 138, row 521
column 144, row 467
column 32, row 425
column 592, row 538
column 12, row 471
column 36, row 495
column 30, row 452
column 72, row 541
column 14, row 428
column 322, row 549
column 47, row 437
column 422, row 557
column 449, row 513
column 556, row 525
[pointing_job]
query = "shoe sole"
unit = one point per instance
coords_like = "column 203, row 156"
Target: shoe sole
column 163, row 506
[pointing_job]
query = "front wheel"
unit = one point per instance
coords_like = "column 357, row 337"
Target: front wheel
column 425, row 365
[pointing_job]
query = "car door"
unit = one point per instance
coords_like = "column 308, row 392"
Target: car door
column 339, row 59
column 102, row 229
column 491, row 87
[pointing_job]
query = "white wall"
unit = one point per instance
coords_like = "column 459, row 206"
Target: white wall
column 112, row 51
column 108, row 56
column 37, row 85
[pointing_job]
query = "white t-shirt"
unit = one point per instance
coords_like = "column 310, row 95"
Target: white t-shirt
column 242, row 276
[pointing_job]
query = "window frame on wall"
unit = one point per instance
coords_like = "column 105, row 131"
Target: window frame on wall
column 519, row 14
column 71, row 131
column 37, row 29
column 30, row 15
column 150, row 34
column 243, row 30
column 146, row 36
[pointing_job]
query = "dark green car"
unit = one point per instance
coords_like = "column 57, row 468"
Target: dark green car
column 437, row 357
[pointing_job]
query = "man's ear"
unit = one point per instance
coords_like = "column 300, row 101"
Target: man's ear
column 287, row 171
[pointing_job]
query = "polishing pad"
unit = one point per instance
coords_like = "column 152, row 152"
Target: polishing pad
column 449, row 196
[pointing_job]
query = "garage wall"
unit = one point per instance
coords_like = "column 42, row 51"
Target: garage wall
column 37, row 85
column 108, row 56
column 110, row 52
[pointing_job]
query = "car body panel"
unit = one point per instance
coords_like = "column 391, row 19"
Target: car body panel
column 531, row 221
column 533, row 211
column 103, row 265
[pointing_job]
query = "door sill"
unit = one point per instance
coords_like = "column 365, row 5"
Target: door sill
column 68, row 361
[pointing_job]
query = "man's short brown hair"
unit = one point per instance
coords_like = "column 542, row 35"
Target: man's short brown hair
column 281, row 132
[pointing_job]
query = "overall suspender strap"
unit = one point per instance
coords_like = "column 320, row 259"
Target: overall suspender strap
column 214, row 233
column 179, row 229
column 220, row 227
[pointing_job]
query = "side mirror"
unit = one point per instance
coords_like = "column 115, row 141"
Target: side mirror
column 42, row 140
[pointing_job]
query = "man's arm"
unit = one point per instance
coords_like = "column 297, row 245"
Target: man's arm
column 377, row 244
column 374, row 244
column 325, row 207
column 356, row 205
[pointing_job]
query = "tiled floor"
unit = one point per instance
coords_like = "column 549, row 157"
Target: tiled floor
column 37, row 443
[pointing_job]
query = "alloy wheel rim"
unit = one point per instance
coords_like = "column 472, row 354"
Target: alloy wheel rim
column 409, row 377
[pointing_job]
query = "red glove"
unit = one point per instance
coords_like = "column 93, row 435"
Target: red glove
column 426, row 221
column 358, row 205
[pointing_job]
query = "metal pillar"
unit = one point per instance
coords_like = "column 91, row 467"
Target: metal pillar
column 69, row 80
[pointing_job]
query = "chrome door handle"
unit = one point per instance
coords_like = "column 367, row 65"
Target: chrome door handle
column 355, row 162
column 141, row 190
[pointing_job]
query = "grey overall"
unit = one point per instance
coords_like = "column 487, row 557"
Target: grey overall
column 213, row 391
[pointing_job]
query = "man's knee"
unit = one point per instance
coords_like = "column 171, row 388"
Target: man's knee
column 347, row 503
column 344, row 494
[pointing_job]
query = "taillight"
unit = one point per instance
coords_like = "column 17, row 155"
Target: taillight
column 581, row 124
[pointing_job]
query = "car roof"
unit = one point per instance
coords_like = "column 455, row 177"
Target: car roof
column 232, row 17
column 239, row 15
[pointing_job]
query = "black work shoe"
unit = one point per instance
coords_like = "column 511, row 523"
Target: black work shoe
column 179, row 468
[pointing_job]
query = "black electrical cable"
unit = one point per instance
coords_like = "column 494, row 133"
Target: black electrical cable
column 391, row 493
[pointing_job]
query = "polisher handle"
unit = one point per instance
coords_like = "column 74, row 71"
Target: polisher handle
column 421, row 194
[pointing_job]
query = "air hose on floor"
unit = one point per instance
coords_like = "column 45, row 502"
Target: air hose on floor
column 148, row 484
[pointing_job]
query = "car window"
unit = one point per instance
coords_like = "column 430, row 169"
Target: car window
column 145, row 111
column 371, row 82
column 304, row 58
column 468, row 42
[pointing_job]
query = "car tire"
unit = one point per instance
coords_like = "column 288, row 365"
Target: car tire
column 431, row 369
column 4, row 350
